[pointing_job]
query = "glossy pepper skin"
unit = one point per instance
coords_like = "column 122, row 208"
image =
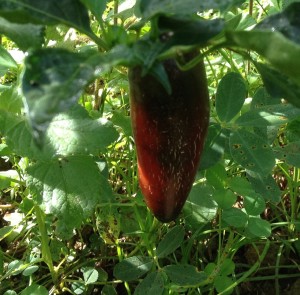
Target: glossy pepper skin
column 169, row 133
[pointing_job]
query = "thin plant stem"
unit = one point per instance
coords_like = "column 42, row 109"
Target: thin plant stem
column 46, row 253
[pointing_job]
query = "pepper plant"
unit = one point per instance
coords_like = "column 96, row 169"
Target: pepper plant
column 73, row 218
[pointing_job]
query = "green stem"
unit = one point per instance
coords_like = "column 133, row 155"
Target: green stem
column 250, row 271
column 46, row 253
column 116, row 7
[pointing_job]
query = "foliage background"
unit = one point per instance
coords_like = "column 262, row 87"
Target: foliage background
column 73, row 220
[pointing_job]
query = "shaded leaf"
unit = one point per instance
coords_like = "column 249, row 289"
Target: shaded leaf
column 132, row 268
column 254, row 204
column 271, row 45
column 35, row 290
column 289, row 153
column 179, row 31
column 170, row 242
column 199, row 207
column 251, row 151
column 280, row 85
column 224, row 198
column 214, row 147
column 241, row 186
column 230, row 96
column 259, row 227
column 262, row 98
column 265, row 185
column 152, row 284
column 227, row 267
column 97, row 7
column 221, row 283
column 47, row 12
column 216, row 176
column 150, row 8
column 108, row 290
column 122, row 121
column 184, row 275
column 235, row 217
column 286, row 22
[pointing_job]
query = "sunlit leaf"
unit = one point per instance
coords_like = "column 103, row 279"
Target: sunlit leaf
column 24, row 35
column 68, row 188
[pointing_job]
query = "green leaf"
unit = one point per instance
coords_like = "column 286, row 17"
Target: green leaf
column 199, row 207
column 90, row 275
column 35, row 290
column 122, row 121
column 216, row 176
column 19, row 138
column 132, row 268
column 269, row 115
column 241, row 186
column 224, row 198
column 221, row 283
column 214, row 147
column 259, row 227
column 6, row 60
column 265, row 185
column 109, row 290
column 15, row 267
column 55, row 78
column 235, row 217
column 271, row 45
column 47, row 12
column 78, row 287
column 158, row 71
column 254, row 204
column 6, row 231
column 75, row 132
column 286, row 22
column 289, row 153
column 11, row 100
column 96, row 7
column 69, row 188
column 279, row 85
column 149, row 8
column 184, row 31
column 70, row 133
column 262, row 98
column 230, row 97
column 52, row 82
column 24, row 35
column 292, row 131
column 10, row 292
column 184, row 275
column 1, row 262
column 227, row 267
column 30, row 270
column 170, row 242
column 152, row 284
column 251, row 151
